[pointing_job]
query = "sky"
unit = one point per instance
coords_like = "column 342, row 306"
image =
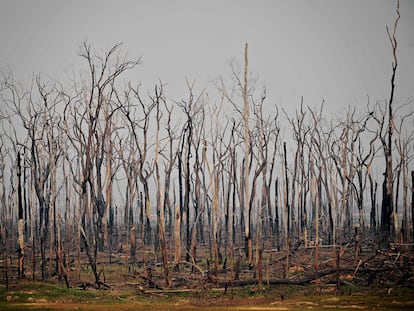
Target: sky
column 336, row 51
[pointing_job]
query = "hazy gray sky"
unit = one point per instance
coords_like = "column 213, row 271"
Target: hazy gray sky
column 336, row 50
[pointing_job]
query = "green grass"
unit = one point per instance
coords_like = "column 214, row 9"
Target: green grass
column 27, row 291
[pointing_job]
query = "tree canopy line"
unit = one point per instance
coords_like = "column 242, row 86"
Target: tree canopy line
column 94, row 168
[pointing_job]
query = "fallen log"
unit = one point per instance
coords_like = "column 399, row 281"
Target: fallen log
column 151, row 283
column 300, row 281
column 189, row 264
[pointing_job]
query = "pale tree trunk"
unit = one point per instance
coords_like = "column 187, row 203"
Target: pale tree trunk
column 160, row 198
column 317, row 211
column 315, row 198
column 52, row 142
column 43, row 208
column 108, row 201
column 287, row 210
column 84, row 113
column 177, row 235
column 233, row 209
column 214, row 186
column 259, row 240
column 142, row 148
column 226, row 198
column 242, row 205
column 131, row 194
column 320, row 143
column 32, row 225
column 168, row 207
column 198, row 206
column 257, row 173
column 345, row 222
column 272, row 218
column 198, row 203
column 198, row 210
column 246, row 109
column 80, row 216
column 402, row 145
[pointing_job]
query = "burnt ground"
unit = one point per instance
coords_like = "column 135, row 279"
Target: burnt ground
column 367, row 277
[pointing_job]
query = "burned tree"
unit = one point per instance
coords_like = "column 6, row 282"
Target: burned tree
column 388, row 222
column 157, row 99
column 83, row 117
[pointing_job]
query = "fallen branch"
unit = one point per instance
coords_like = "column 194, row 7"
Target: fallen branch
column 356, row 269
column 301, row 281
column 190, row 264
column 151, row 283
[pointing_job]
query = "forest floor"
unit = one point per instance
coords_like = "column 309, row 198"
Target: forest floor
column 367, row 278
column 28, row 295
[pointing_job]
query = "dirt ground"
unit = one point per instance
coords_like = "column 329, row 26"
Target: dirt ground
column 366, row 278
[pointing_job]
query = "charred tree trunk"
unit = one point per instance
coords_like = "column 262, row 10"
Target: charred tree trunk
column 147, row 205
column 91, row 258
column 21, row 219
column 373, row 198
column 276, row 229
column 412, row 202
column 180, row 195
column 188, row 189
column 287, row 212
column 388, row 219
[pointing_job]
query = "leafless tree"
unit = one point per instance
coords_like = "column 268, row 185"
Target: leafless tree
column 403, row 144
column 389, row 216
column 83, row 117
column 157, row 99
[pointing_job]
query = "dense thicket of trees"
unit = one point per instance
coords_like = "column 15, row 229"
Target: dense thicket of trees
column 96, row 167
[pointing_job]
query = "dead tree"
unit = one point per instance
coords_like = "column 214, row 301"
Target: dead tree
column 274, row 135
column 242, row 85
column 403, row 144
column 286, row 209
column 231, row 214
column 83, row 114
column 388, row 218
column 137, row 113
column 342, row 152
column 21, row 245
column 157, row 99
column 364, row 162
column 266, row 130
column 246, row 168
column 321, row 143
column 125, row 149
column 197, row 230
column 170, row 157
column 111, row 168
column 217, row 173
column 300, row 132
column 3, row 207
column 214, row 182
column 188, row 148
column 412, row 203
column 40, row 120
